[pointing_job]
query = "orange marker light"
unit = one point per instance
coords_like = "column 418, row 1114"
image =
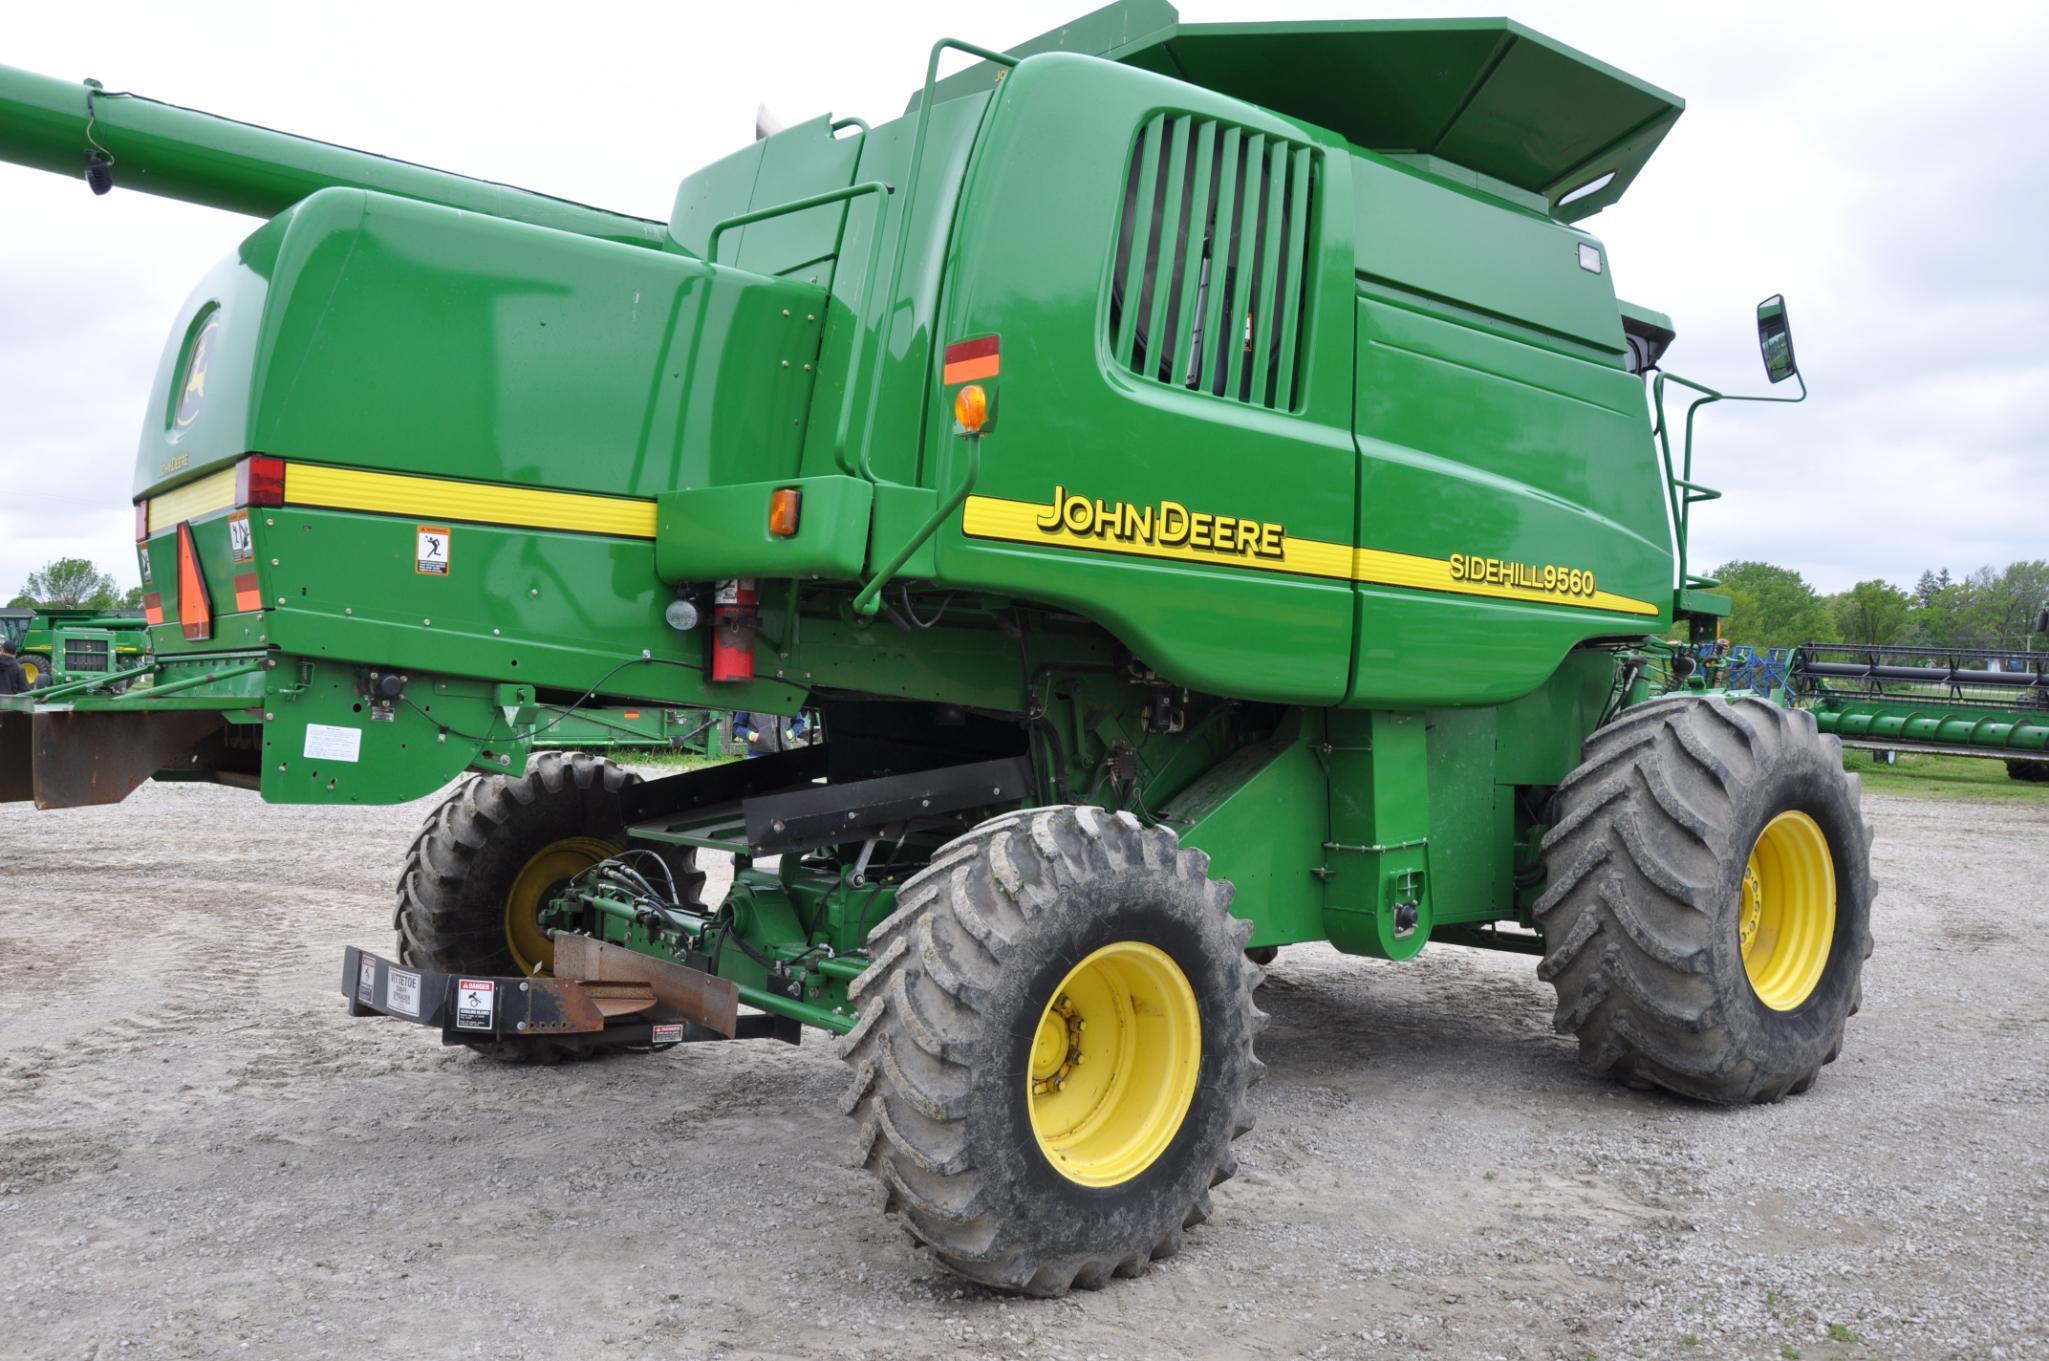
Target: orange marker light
column 783, row 505
column 971, row 408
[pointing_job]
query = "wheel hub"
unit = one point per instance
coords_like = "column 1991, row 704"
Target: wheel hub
column 1753, row 907
column 1113, row 1064
column 1056, row 1052
column 545, row 871
column 1786, row 916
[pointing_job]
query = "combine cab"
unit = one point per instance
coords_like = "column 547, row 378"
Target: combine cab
column 1200, row 477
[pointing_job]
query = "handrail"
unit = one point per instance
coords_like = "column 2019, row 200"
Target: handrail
column 1682, row 493
column 795, row 205
column 867, row 601
column 903, row 235
column 711, row 249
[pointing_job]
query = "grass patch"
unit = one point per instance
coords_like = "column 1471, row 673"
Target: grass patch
column 1928, row 776
column 665, row 759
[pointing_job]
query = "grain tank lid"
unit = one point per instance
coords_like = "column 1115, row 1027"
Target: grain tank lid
column 1488, row 95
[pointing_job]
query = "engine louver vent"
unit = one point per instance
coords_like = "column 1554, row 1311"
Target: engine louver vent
column 1214, row 246
column 87, row 654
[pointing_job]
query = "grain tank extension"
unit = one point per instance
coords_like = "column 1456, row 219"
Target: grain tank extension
column 1199, row 476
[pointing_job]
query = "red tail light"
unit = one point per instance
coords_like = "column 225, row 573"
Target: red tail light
column 195, row 610
column 260, row 481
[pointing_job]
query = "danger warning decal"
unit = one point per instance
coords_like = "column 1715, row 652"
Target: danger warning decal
column 476, row 1003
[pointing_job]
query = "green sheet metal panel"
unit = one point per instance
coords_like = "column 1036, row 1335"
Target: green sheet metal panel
column 1487, row 94
column 378, row 332
column 802, row 160
column 1035, row 265
column 1452, row 243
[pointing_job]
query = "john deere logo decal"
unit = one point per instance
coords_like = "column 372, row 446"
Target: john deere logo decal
column 194, row 391
column 1169, row 529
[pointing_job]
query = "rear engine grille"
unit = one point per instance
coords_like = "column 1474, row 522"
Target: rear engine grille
column 1214, row 245
column 86, row 654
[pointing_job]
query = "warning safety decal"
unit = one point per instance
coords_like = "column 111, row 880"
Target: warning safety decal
column 476, row 999
column 430, row 555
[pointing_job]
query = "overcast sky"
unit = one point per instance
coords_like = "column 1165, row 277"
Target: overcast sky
column 1887, row 174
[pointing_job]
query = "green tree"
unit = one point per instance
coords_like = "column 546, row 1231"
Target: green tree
column 1872, row 612
column 132, row 598
column 1773, row 606
column 2011, row 602
column 69, row 581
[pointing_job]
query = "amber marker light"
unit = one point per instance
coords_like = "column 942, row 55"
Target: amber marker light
column 783, row 505
column 971, row 409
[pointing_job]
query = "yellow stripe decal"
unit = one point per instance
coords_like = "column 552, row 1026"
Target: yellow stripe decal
column 215, row 491
column 1249, row 545
column 434, row 498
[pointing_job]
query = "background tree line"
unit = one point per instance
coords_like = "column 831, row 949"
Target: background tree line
column 74, row 583
column 1993, row 608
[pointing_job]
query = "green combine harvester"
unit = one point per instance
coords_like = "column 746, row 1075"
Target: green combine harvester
column 1198, row 474
column 60, row 643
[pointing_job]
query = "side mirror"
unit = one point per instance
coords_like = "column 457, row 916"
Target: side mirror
column 1775, row 339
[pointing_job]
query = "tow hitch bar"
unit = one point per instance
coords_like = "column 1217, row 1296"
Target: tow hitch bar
column 599, row 993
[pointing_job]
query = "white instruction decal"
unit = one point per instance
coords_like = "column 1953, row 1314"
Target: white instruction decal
column 366, row 980
column 326, row 742
column 241, row 544
column 402, row 993
column 475, row 1000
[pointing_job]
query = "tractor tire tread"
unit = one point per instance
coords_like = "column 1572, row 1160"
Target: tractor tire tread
column 913, row 1051
column 1640, row 835
column 442, row 921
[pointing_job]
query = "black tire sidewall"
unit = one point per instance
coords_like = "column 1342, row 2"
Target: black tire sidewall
column 1063, row 1216
column 533, row 827
column 1802, row 777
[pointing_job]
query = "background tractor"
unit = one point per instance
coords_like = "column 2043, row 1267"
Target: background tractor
column 59, row 643
column 1201, row 476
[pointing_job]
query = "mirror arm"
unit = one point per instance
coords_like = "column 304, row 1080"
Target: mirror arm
column 1680, row 488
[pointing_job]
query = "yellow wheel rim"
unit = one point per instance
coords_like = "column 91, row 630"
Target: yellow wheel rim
column 548, row 867
column 1114, row 1063
column 1786, row 918
column 31, row 670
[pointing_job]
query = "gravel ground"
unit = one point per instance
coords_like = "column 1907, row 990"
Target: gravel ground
column 201, row 1155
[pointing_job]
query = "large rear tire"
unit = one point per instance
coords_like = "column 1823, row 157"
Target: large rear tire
column 1054, row 1047
column 1708, row 910
column 494, row 852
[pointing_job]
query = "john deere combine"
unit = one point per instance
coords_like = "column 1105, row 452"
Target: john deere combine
column 1199, row 475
